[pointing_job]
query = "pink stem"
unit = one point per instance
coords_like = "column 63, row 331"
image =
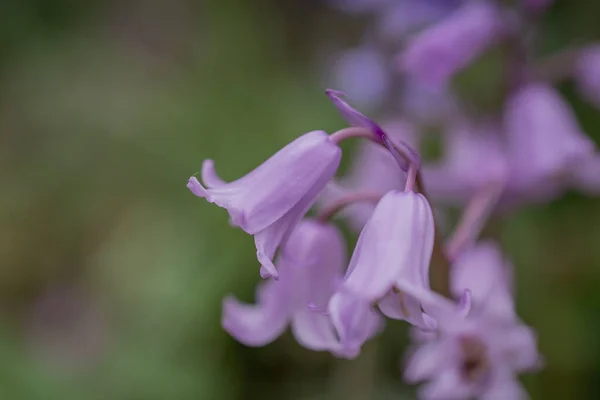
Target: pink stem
column 352, row 198
column 473, row 219
column 352, row 132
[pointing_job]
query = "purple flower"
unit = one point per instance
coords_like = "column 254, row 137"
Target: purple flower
column 435, row 54
column 474, row 158
column 587, row 74
column 393, row 251
column 544, row 142
column 373, row 170
column 487, row 275
column 269, row 201
column 470, row 356
column 311, row 264
column 363, row 74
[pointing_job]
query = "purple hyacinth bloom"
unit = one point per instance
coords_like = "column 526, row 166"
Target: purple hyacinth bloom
column 311, row 265
column 438, row 52
column 393, row 251
column 269, row 201
column 587, row 74
column 474, row 158
column 373, row 170
column 470, row 356
column 544, row 142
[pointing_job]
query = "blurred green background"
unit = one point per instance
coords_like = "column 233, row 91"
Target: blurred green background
column 112, row 273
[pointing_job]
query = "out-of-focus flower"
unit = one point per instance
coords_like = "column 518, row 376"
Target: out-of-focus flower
column 587, row 74
column 471, row 356
column 311, row 265
column 393, row 251
column 544, row 142
column 269, row 201
column 438, row 52
column 396, row 18
column 363, row 73
column 473, row 158
column 427, row 103
column 373, row 170
column 487, row 275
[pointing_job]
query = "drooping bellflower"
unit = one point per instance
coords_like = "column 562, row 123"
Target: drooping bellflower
column 311, row 265
column 393, row 251
column 269, row 201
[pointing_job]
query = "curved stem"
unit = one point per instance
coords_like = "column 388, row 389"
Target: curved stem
column 352, row 132
column 473, row 219
column 352, row 198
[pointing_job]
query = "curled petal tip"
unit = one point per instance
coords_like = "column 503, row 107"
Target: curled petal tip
column 196, row 188
column 209, row 175
column 269, row 271
column 465, row 303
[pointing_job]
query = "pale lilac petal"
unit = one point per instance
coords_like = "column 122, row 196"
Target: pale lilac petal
column 355, row 321
column 268, row 240
column 394, row 246
column 260, row 324
column 320, row 250
column 438, row 52
column 315, row 331
column 209, row 175
column 520, row 347
column 426, row 361
column 400, row 306
column 447, row 386
column 505, row 387
column 196, row 187
column 269, row 192
column 484, row 271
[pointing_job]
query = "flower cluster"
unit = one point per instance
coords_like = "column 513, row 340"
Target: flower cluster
column 468, row 340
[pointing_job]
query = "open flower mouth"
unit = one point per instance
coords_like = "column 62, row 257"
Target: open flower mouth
column 474, row 364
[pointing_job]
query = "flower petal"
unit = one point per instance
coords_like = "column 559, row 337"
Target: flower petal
column 209, row 175
column 276, row 186
column 395, row 245
column 257, row 325
column 315, row 331
column 354, row 320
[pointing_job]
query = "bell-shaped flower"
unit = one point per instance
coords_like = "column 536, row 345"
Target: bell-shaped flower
column 393, row 251
column 269, row 201
column 472, row 356
column 438, row 52
column 544, row 142
column 311, row 265
column 474, row 158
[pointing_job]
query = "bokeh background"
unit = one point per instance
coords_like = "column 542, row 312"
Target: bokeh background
column 112, row 273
